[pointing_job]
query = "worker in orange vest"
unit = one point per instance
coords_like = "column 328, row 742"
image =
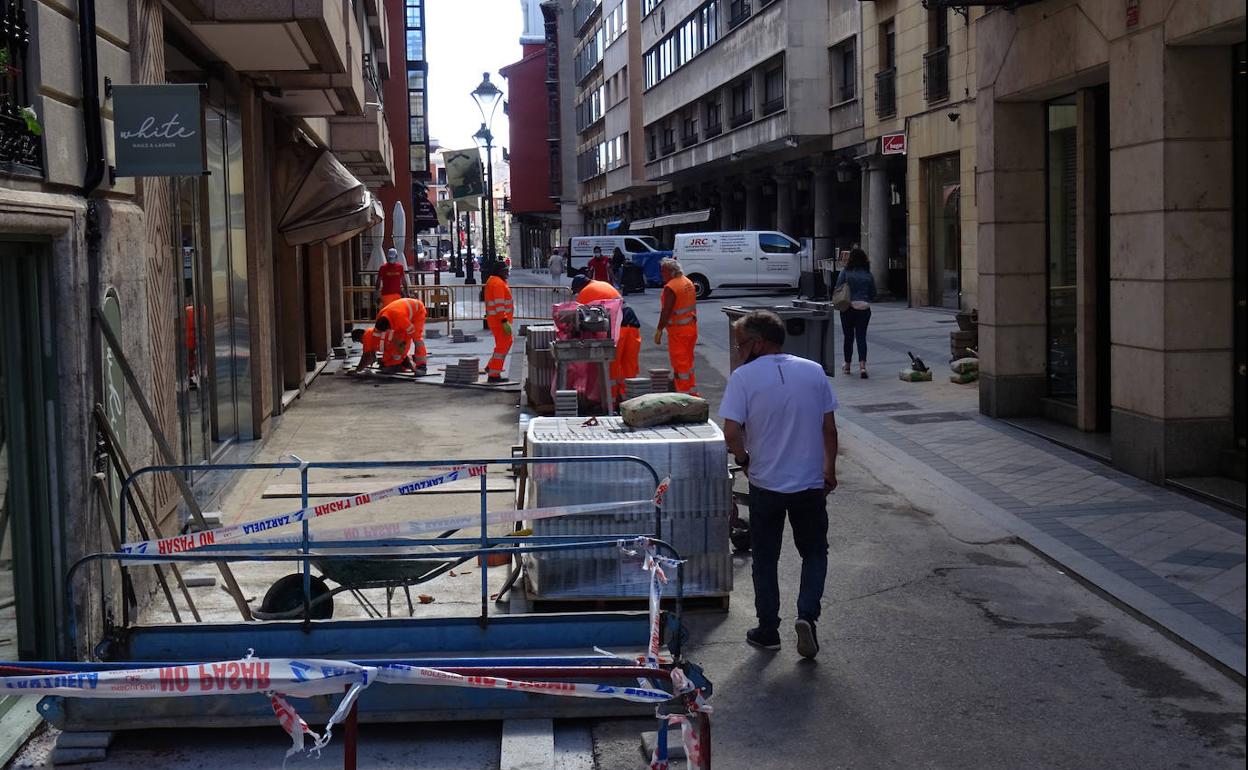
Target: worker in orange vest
column 371, row 339
column 391, row 278
column 628, row 345
column 402, row 324
column 679, row 316
column 499, row 311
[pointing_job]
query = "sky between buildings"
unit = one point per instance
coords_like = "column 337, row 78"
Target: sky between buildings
column 463, row 39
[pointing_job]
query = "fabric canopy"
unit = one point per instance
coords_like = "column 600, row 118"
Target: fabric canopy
column 681, row 218
column 614, row 225
column 325, row 202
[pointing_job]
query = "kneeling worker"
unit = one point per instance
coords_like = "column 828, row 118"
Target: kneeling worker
column 400, row 324
column 628, row 346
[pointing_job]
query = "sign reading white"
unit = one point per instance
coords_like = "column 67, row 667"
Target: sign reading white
column 158, row 130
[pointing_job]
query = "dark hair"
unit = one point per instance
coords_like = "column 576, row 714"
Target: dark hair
column 382, row 324
column 858, row 260
column 580, row 281
column 761, row 325
column 357, row 334
column 617, row 253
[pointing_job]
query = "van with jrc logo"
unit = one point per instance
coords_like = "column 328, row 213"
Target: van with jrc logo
column 740, row 259
column 636, row 248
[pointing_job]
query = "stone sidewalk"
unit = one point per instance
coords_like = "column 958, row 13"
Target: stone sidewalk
column 1175, row 560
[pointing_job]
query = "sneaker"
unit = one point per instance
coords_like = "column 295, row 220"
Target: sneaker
column 807, row 643
column 494, row 380
column 421, row 371
column 763, row 639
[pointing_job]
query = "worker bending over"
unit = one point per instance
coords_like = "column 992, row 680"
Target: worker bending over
column 679, row 317
column 371, row 339
column 402, row 323
column 391, row 278
column 628, row 345
column 499, row 310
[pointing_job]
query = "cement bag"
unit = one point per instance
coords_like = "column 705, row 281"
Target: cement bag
column 910, row 375
column 961, row 379
column 965, row 366
column 663, row 409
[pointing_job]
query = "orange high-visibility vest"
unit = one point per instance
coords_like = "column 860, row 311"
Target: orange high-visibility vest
column 405, row 315
column 499, row 308
column 371, row 341
column 596, row 290
column 685, row 309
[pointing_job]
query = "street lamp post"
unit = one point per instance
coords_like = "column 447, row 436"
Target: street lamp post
column 487, row 96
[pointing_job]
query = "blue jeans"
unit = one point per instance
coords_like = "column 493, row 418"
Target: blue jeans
column 854, row 326
column 807, row 512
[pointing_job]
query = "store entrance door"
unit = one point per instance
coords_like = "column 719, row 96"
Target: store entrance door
column 944, row 237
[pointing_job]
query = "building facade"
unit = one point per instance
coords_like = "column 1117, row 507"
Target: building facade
column 223, row 291
column 406, row 107
column 562, row 45
column 919, row 213
column 534, row 214
column 1110, row 166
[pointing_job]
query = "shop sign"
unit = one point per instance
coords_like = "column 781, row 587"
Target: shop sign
column 893, row 144
column 425, row 216
column 158, row 130
column 1133, row 14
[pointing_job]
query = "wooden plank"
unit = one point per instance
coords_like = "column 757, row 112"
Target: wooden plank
column 352, row 488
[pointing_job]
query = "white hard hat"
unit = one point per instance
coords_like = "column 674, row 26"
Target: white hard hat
column 392, row 255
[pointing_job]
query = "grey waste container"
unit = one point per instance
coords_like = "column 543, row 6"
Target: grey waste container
column 809, row 331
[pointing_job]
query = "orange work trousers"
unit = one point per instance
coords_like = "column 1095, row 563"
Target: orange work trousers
column 627, row 353
column 502, row 346
column 680, row 343
column 386, row 299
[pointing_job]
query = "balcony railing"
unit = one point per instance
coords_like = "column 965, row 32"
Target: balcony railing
column 936, row 75
column 667, row 149
column 741, row 118
column 688, row 140
column 713, row 129
column 886, row 93
column 371, row 77
column 582, row 12
column 775, row 105
column 21, row 150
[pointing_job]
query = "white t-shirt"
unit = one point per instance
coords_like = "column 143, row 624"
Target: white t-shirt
column 781, row 400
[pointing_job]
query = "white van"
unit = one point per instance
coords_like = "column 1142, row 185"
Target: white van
column 581, row 248
column 741, row 259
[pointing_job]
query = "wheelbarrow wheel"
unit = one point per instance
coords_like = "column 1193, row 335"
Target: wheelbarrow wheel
column 286, row 597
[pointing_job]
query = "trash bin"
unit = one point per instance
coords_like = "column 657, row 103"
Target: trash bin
column 809, row 331
column 633, row 280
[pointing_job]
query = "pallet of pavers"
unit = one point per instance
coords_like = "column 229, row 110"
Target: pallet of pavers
column 695, row 518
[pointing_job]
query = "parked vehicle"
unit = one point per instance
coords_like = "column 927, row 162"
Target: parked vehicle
column 741, row 259
column 640, row 249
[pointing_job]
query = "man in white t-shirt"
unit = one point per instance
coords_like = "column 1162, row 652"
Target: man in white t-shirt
column 779, row 416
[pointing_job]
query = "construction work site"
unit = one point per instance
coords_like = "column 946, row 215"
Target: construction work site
column 414, row 572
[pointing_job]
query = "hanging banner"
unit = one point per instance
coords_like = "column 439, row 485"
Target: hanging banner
column 158, row 130
column 463, row 173
column 445, row 211
column 425, row 215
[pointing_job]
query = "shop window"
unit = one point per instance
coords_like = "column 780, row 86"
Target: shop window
column 1062, row 215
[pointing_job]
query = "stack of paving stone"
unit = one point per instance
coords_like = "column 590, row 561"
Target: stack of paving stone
column 695, row 517
column 567, row 403
column 465, row 372
column 636, row 386
column 433, row 334
column 660, row 380
column 457, row 335
column 541, row 367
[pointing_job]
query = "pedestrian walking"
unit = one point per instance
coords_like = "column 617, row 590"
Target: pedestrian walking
column 857, row 274
column 599, row 268
column 679, row 316
column 779, row 414
column 617, row 267
column 555, row 265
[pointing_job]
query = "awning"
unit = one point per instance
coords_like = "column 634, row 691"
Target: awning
column 682, row 218
column 614, row 225
column 326, row 202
